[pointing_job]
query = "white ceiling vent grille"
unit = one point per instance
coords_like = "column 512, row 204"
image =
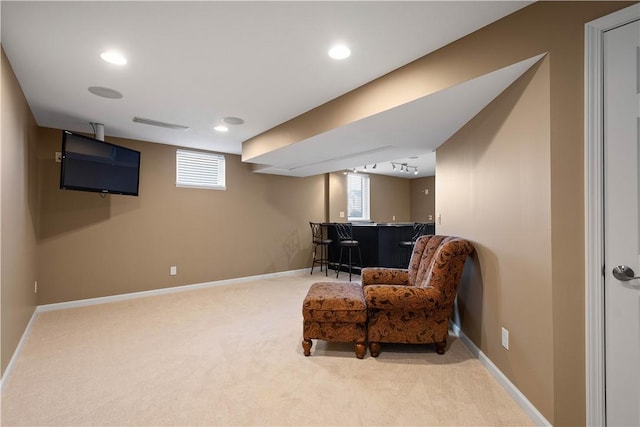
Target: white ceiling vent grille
column 198, row 169
column 159, row 124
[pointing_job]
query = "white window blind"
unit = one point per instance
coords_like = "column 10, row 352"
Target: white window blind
column 358, row 197
column 199, row 169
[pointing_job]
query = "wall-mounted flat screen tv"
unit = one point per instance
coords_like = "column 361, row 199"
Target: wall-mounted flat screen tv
column 92, row 165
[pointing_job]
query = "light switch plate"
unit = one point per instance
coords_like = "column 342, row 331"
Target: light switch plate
column 505, row 338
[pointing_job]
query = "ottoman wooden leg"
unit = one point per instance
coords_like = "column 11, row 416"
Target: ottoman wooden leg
column 374, row 348
column 440, row 346
column 361, row 349
column 306, row 346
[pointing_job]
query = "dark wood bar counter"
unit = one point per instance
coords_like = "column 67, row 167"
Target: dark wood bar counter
column 378, row 243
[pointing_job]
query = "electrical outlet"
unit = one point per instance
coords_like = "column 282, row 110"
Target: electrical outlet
column 58, row 157
column 426, row 191
column 505, row 338
column 394, row 218
column 341, row 214
column 173, row 270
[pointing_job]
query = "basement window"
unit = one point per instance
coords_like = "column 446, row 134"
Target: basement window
column 200, row 169
column 358, row 197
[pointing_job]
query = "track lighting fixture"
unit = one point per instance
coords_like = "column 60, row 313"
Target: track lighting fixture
column 404, row 167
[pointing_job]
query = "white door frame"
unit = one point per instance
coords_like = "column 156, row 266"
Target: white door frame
column 594, row 206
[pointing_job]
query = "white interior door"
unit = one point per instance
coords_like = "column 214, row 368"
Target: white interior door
column 621, row 48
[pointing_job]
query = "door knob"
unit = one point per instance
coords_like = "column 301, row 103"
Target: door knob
column 624, row 273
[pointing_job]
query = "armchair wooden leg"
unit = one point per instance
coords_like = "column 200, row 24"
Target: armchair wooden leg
column 361, row 349
column 374, row 348
column 306, row 346
column 440, row 346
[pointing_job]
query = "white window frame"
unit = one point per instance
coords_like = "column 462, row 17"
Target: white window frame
column 366, row 197
column 200, row 169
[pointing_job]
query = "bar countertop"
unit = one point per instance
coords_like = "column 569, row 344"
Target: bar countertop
column 379, row 242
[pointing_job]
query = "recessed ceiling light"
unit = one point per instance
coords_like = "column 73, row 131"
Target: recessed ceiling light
column 105, row 92
column 233, row 120
column 339, row 52
column 221, row 128
column 113, row 57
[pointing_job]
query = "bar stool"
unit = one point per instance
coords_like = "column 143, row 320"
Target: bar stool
column 419, row 228
column 345, row 236
column 319, row 240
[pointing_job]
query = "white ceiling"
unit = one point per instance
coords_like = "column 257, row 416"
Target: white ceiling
column 193, row 63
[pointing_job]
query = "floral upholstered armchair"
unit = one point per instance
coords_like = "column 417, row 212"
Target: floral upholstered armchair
column 414, row 305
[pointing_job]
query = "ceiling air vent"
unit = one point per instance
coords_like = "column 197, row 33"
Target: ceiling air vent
column 159, row 124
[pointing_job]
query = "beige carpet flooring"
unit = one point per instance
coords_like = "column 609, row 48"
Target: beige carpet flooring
column 231, row 356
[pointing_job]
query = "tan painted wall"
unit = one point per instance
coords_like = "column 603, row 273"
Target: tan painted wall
column 423, row 206
column 493, row 188
column 390, row 197
column 556, row 28
column 91, row 246
column 337, row 197
column 18, row 211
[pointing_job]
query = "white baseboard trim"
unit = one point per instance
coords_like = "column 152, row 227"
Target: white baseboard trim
column 509, row 387
column 14, row 357
column 162, row 291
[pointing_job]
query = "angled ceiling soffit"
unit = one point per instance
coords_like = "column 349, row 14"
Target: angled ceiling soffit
column 412, row 129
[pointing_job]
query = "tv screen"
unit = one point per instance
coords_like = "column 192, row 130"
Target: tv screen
column 92, row 165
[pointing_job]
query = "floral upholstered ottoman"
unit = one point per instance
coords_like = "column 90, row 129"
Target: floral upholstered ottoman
column 335, row 311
